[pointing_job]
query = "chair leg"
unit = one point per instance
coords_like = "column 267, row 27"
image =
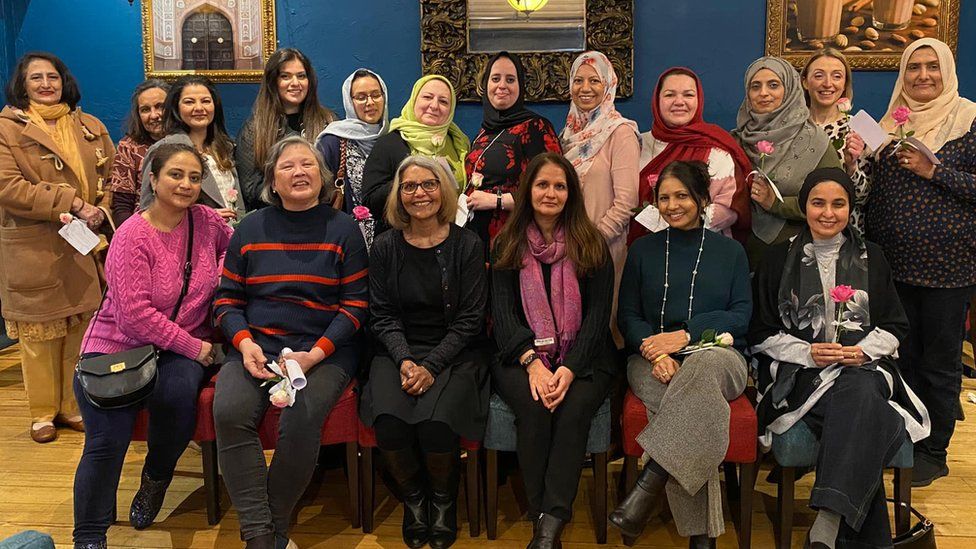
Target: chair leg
column 784, row 505
column 491, row 490
column 903, row 495
column 731, row 481
column 630, row 476
column 368, row 478
column 352, row 477
column 472, row 494
column 211, row 480
column 600, row 496
column 747, row 483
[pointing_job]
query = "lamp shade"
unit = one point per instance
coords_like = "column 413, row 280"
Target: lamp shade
column 527, row 6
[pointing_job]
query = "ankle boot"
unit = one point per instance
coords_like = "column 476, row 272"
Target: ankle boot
column 92, row 545
column 404, row 467
column 443, row 470
column 264, row 541
column 147, row 502
column 701, row 542
column 632, row 514
column 546, row 533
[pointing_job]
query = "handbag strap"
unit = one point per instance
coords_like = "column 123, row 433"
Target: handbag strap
column 187, row 267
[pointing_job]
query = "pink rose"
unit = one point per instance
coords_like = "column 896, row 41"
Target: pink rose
column 844, row 105
column 279, row 398
column 66, row 218
column 765, row 147
column 842, row 293
column 232, row 195
column 361, row 213
column 901, row 115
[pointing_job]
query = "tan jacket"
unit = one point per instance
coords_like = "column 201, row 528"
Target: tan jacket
column 42, row 277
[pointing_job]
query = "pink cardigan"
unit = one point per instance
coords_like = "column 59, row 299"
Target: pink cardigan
column 145, row 274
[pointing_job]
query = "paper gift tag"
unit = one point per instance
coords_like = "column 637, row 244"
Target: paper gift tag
column 651, row 219
column 462, row 215
column 870, row 131
column 79, row 236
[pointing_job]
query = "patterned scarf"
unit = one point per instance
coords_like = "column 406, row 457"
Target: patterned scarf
column 361, row 133
column 63, row 134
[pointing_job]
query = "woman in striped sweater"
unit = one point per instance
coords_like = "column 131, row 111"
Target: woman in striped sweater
column 294, row 277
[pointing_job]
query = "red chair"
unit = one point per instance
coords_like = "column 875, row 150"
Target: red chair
column 743, row 438
column 472, row 478
column 341, row 427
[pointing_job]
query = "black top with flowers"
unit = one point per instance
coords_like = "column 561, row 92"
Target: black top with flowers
column 927, row 228
column 501, row 158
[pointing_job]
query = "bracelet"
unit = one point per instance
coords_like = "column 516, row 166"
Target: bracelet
column 528, row 360
column 498, row 205
column 659, row 359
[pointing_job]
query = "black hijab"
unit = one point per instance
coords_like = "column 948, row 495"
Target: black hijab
column 494, row 119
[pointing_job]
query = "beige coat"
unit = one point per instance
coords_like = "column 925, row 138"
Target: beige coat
column 42, row 277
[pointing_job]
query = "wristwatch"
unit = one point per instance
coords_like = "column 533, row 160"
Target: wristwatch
column 528, row 360
column 498, row 205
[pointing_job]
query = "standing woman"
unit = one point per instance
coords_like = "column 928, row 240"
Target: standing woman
column 552, row 286
column 144, row 127
column 679, row 132
column 194, row 116
column 660, row 316
column 287, row 104
column 425, row 127
column 604, row 147
column 774, row 111
column 923, row 218
column 145, row 269
column 54, row 159
column 428, row 384
column 511, row 135
column 826, row 81
column 345, row 144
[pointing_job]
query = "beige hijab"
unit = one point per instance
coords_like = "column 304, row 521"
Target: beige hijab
column 943, row 119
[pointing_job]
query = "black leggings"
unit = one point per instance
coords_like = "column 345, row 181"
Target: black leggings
column 392, row 433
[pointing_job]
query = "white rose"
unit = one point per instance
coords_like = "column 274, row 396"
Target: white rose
column 725, row 339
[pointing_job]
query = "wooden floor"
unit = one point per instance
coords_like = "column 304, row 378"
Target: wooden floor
column 36, row 493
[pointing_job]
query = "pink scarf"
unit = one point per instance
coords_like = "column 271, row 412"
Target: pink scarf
column 555, row 326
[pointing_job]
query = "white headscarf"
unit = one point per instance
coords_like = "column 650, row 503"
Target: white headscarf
column 364, row 135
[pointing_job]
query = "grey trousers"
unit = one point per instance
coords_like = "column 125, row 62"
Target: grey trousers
column 265, row 497
column 688, row 431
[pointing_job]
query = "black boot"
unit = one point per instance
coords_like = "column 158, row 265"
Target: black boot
column 701, row 542
column 92, row 545
column 404, row 467
column 443, row 470
column 147, row 502
column 546, row 533
column 264, row 541
column 632, row 514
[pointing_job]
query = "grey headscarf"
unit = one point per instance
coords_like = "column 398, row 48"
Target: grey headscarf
column 364, row 135
column 799, row 143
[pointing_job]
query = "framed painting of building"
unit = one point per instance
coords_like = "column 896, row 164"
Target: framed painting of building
column 871, row 33
column 225, row 40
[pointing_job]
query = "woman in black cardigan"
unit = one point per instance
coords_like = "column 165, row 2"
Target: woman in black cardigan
column 428, row 382
column 552, row 287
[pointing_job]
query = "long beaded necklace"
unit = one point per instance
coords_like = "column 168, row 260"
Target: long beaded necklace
column 667, row 267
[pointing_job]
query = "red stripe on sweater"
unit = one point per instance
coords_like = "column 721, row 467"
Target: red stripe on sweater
column 353, row 277
column 241, row 336
column 236, row 278
column 271, row 279
column 355, row 322
column 268, row 331
column 353, row 303
column 326, row 345
column 229, row 301
column 296, row 247
column 304, row 303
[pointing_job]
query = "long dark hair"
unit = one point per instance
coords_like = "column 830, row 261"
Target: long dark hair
column 269, row 113
column 218, row 142
column 17, row 87
column 585, row 246
column 133, row 122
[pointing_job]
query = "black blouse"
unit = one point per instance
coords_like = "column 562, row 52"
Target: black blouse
column 422, row 299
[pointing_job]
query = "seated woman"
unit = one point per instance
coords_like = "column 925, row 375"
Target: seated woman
column 658, row 317
column 144, row 126
column 837, row 376
column 144, row 271
column 428, row 382
column 295, row 277
column 552, row 287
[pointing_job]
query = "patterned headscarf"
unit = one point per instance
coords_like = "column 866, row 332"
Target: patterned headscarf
column 363, row 134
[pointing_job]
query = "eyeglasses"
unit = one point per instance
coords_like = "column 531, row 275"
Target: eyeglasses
column 428, row 186
column 363, row 98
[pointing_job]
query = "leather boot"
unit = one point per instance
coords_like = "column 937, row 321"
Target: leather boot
column 443, row 470
column 632, row 514
column 264, row 541
column 147, row 502
column 92, row 545
column 404, row 467
column 546, row 534
column 701, row 542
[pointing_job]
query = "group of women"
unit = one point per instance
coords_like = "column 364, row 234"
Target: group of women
column 523, row 301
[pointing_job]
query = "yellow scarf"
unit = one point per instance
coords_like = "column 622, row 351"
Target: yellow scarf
column 63, row 134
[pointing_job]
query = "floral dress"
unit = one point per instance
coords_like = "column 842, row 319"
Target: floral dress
column 355, row 160
column 837, row 133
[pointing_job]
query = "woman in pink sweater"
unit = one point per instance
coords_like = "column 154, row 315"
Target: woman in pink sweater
column 144, row 269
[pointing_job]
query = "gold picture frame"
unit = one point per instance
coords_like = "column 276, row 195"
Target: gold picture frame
column 444, row 50
column 867, row 46
column 181, row 37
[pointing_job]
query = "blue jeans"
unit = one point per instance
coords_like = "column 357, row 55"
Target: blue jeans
column 172, row 420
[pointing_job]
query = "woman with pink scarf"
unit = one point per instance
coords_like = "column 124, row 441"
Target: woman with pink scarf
column 552, row 285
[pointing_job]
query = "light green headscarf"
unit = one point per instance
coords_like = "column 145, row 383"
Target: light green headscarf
column 420, row 137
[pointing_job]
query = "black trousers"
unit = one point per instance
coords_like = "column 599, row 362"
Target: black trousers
column 392, row 433
column 931, row 359
column 859, row 433
column 551, row 446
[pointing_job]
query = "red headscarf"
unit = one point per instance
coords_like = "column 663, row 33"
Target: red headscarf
column 694, row 141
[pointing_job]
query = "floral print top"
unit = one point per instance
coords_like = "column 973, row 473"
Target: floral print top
column 837, row 133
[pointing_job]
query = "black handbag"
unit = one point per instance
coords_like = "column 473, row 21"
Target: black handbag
column 919, row 536
column 125, row 378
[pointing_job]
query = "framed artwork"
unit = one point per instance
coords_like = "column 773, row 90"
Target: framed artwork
column 224, row 40
column 457, row 37
column 871, row 33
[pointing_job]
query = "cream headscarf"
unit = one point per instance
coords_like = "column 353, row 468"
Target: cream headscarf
column 943, row 119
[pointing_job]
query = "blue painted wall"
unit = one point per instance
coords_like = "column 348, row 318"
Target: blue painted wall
column 101, row 41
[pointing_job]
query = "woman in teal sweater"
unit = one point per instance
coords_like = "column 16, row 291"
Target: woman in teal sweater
column 679, row 285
